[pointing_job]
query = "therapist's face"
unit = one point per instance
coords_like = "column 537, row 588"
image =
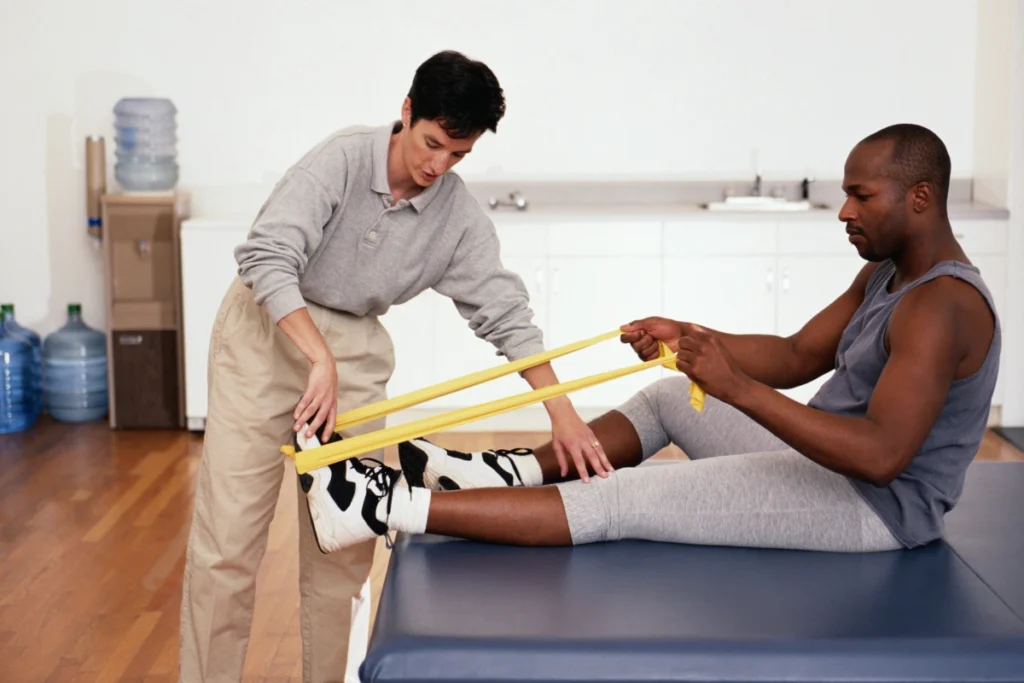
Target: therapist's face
column 429, row 151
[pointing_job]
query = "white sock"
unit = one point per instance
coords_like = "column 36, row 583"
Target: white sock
column 409, row 509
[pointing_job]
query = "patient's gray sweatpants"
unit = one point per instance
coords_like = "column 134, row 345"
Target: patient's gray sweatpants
column 764, row 494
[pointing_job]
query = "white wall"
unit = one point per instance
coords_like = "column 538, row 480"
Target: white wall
column 638, row 88
column 993, row 100
column 999, row 166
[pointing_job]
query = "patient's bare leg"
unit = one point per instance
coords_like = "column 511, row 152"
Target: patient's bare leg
column 516, row 516
column 430, row 466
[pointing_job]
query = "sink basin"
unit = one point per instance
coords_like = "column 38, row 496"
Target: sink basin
column 761, row 204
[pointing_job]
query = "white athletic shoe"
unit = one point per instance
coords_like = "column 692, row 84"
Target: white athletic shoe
column 440, row 469
column 343, row 499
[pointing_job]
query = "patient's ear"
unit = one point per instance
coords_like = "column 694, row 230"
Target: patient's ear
column 921, row 197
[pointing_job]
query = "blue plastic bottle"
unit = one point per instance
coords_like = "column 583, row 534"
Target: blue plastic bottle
column 16, row 330
column 18, row 409
column 75, row 370
column 146, row 137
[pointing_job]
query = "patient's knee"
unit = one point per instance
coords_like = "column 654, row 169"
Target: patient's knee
column 673, row 384
column 667, row 392
column 592, row 509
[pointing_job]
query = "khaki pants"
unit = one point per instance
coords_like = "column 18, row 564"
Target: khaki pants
column 256, row 376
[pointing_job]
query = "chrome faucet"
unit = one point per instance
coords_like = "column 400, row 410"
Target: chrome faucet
column 756, row 190
column 516, row 199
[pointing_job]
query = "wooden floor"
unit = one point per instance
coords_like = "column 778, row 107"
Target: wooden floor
column 93, row 526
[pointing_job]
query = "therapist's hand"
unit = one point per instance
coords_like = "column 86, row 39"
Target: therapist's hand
column 571, row 437
column 319, row 404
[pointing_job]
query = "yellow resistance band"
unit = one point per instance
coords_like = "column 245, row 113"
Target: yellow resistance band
column 364, row 443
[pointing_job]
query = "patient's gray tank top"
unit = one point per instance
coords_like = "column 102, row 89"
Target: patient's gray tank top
column 913, row 504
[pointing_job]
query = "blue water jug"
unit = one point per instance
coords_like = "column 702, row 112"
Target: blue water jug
column 16, row 330
column 146, row 137
column 75, row 370
column 18, row 407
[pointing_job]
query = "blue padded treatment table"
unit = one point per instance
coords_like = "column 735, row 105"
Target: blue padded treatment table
column 453, row 610
column 986, row 529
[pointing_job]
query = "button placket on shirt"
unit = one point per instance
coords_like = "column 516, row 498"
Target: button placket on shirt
column 376, row 230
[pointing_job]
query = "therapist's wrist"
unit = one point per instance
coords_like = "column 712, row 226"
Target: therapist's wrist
column 560, row 408
column 323, row 353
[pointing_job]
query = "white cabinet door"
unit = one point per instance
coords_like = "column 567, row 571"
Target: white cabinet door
column 727, row 293
column 993, row 272
column 982, row 237
column 208, row 268
column 596, row 294
column 985, row 243
column 412, row 329
column 807, row 284
column 721, row 273
column 460, row 352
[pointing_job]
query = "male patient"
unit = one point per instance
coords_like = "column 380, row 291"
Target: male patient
column 872, row 463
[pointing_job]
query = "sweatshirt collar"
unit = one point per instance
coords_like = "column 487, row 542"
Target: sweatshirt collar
column 379, row 182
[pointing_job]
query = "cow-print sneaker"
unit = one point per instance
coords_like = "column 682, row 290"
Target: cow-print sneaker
column 439, row 469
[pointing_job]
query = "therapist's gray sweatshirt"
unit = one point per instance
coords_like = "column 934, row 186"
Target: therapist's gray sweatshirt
column 329, row 234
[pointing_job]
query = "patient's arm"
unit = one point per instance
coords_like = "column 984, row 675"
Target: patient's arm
column 928, row 341
column 929, row 344
column 779, row 362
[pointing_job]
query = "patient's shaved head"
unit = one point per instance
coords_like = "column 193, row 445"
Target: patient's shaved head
column 917, row 155
column 896, row 182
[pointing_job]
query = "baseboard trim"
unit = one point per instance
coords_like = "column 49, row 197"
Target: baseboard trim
column 995, row 416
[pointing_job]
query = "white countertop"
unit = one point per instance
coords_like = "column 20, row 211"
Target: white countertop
column 669, row 212
column 652, row 212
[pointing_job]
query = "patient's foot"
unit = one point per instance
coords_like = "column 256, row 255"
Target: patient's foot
column 440, row 469
column 358, row 499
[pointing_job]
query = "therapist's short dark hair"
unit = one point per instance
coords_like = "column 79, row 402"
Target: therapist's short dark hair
column 462, row 95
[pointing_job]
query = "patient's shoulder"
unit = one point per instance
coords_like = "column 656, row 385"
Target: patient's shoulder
column 948, row 312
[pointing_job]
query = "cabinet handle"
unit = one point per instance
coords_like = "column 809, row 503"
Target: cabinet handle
column 129, row 339
column 785, row 279
column 769, row 279
column 554, row 282
column 539, row 278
